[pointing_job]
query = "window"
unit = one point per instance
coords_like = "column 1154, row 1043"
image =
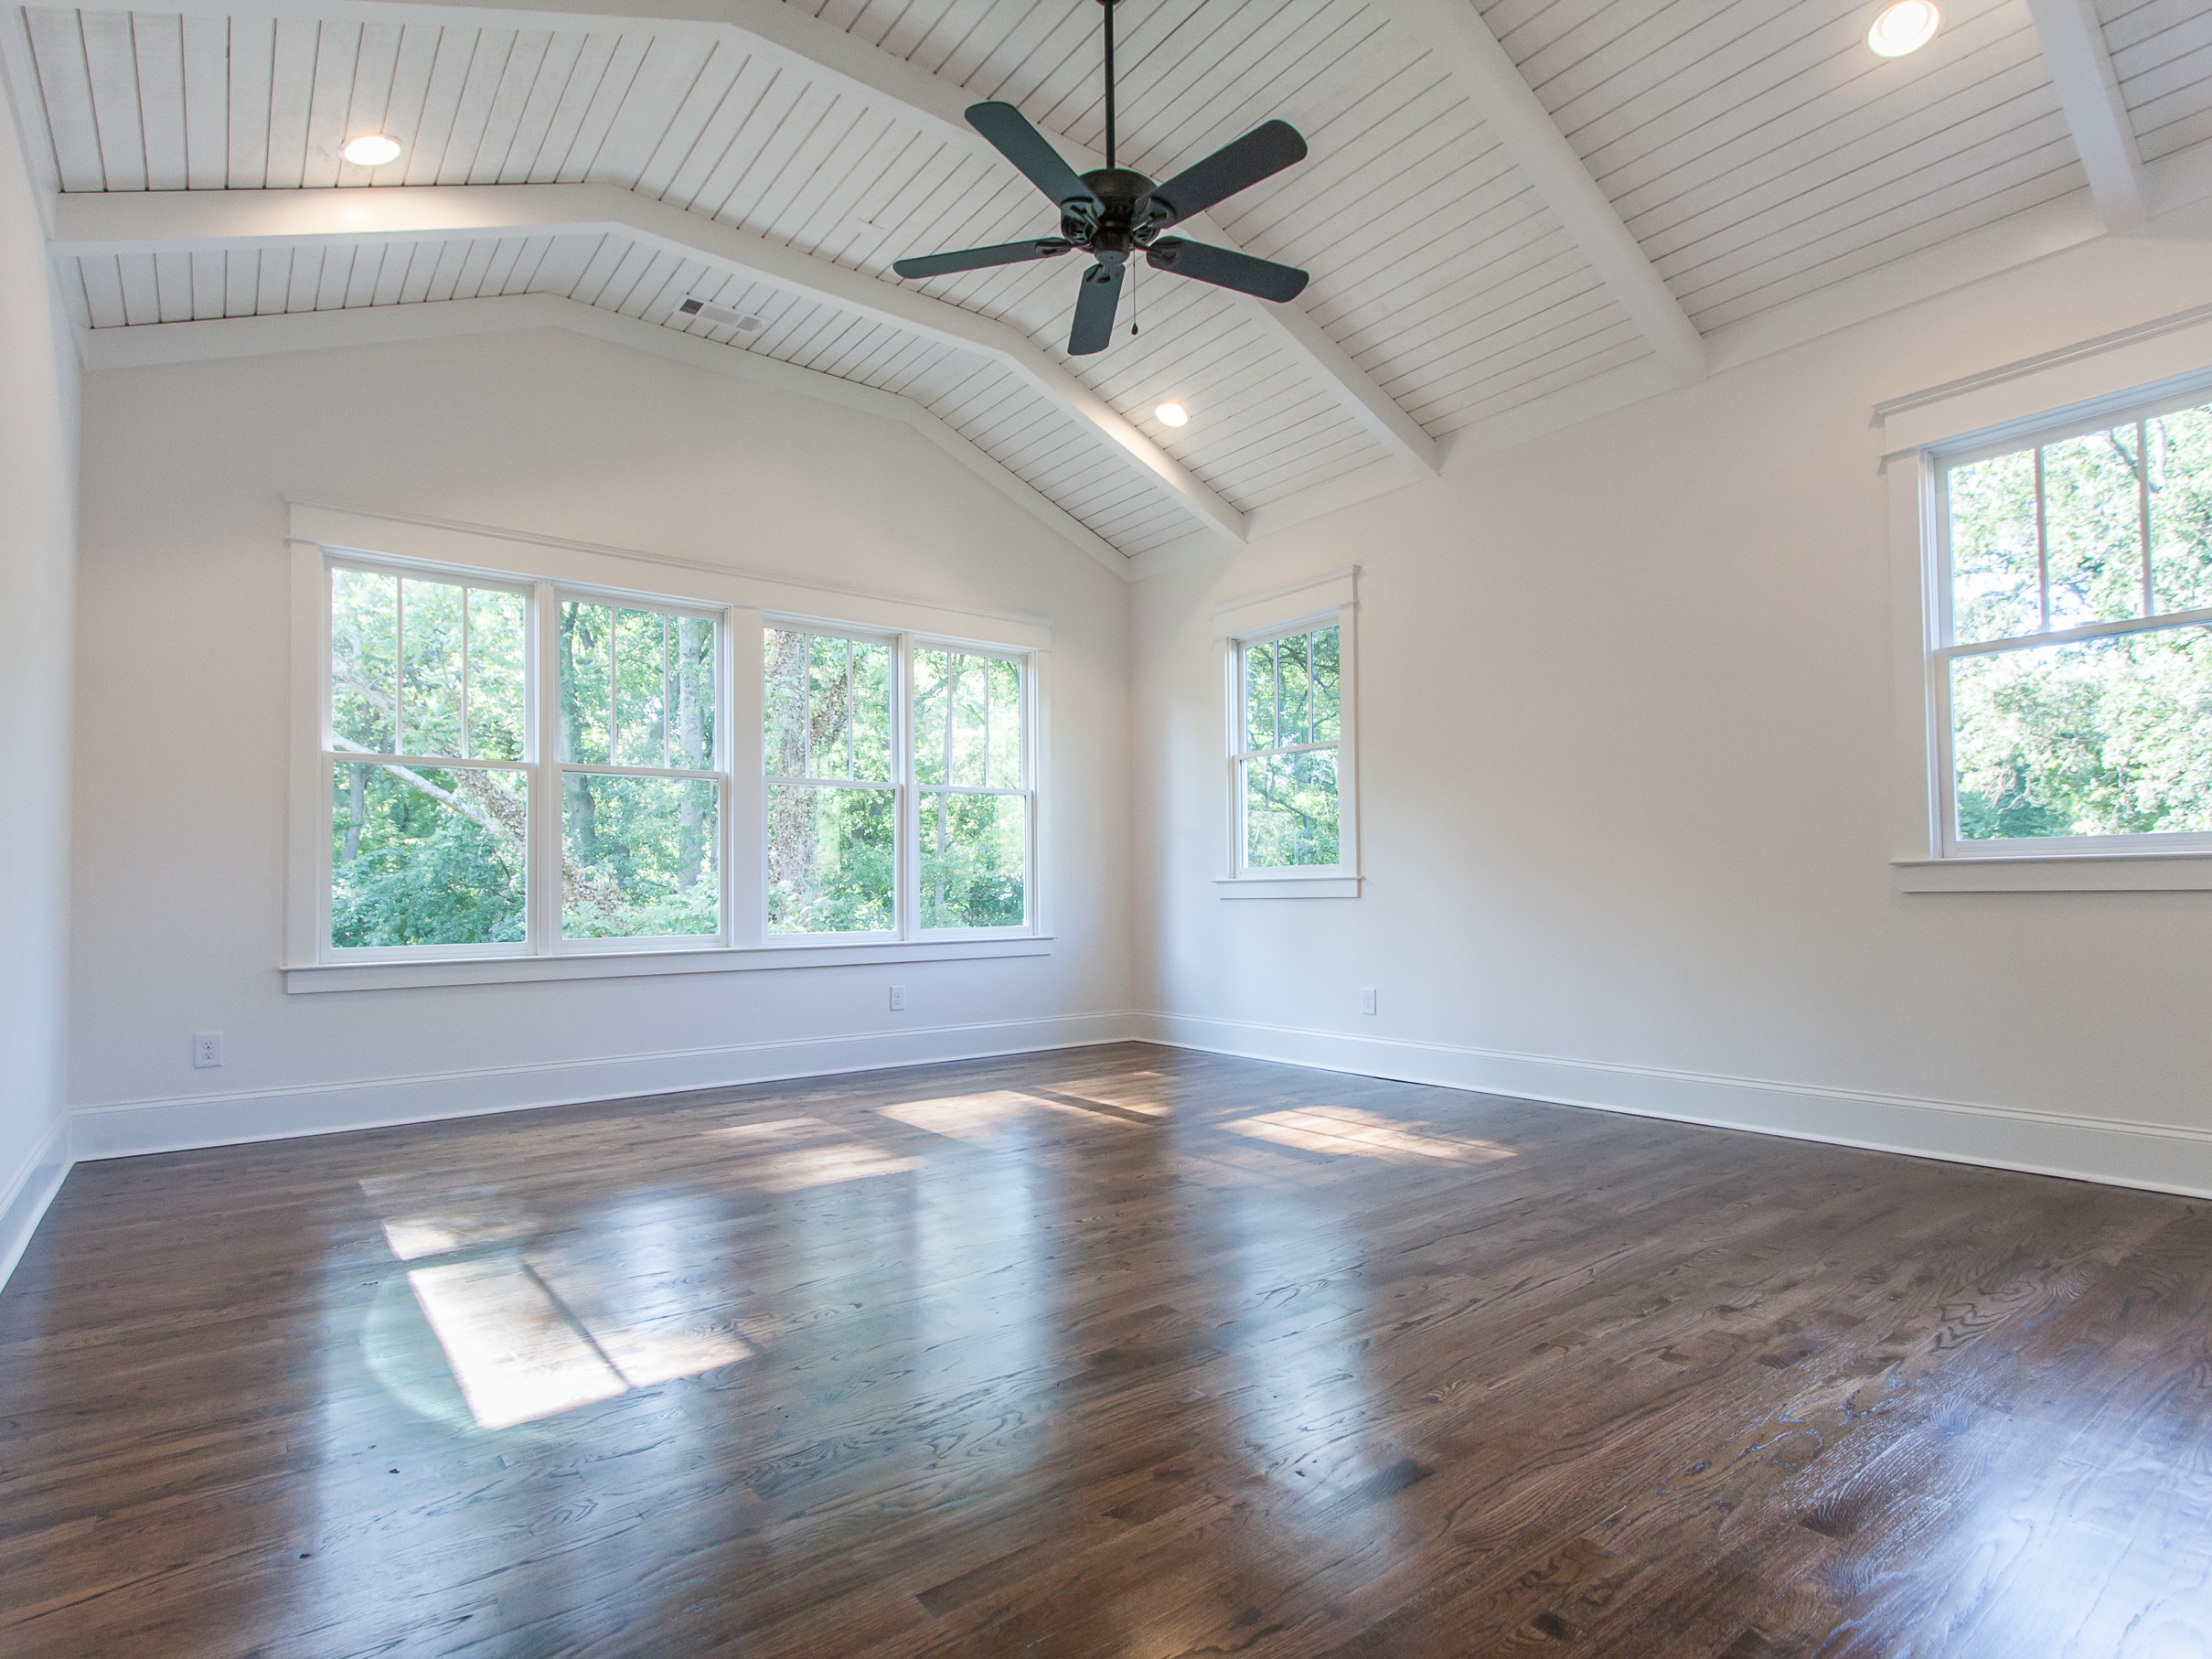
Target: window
column 641, row 799
column 971, row 763
column 425, row 755
column 1291, row 792
column 840, row 721
column 1287, row 756
column 2071, row 670
column 833, row 797
column 510, row 767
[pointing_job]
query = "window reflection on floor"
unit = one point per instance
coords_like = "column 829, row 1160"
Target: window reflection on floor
column 1151, row 1093
column 981, row 1118
column 1346, row 1130
column 423, row 1218
column 516, row 1354
column 793, row 1153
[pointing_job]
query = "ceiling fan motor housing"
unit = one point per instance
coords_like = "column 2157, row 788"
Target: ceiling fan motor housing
column 1119, row 231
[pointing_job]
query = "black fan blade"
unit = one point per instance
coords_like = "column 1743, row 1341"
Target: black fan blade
column 1206, row 264
column 978, row 259
column 1013, row 136
column 1268, row 148
column 1093, row 325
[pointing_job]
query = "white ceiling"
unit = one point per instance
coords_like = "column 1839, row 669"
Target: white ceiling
column 1754, row 151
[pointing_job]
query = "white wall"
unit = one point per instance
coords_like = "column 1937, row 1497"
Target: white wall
column 182, row 720
column 1626, row 730
column 38, row 537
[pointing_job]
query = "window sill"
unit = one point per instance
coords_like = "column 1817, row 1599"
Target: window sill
column 1287, row 886
column 2059, row 872
column 313, row 978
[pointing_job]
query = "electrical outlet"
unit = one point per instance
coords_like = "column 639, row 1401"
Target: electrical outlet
column 898, row 998
column 1367, row 1000
column 206, row 1049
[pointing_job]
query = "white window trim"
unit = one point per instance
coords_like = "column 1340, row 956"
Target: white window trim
column 744, row 603
column 1315, row 603
column 2006, row 409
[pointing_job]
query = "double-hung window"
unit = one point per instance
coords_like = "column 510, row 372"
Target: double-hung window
column 1289, row 723
column 503, row 765
column 833, row 793
column 426, row 741
column 641, row 794
column 866, row 734
column 2070, row 668
column 438, row 717
column 974, row 806
column 1292, row 780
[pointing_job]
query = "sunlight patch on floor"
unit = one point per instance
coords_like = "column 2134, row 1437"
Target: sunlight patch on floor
column 519, row 1353
column 1146, row 1092
column 977, row 1118
column 1346, row 1130
column 513, row 1353
column 438, row 1222
column 791, row 1154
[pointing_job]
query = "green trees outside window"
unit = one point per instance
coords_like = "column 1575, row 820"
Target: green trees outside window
column 1287, row 767
column 832, row 802
column 973, row 840
column 510, row 765
column 424, row 674
column 639, row 848
column 2105, row 540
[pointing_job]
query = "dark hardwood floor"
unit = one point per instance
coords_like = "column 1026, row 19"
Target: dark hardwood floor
column 1119, row 1351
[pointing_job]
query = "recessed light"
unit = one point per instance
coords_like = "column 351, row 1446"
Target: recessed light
column 372, row 150
column 1904, row 27
column 1172, row 415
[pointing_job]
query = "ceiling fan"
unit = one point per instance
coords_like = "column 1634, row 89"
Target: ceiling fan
column 1114, row 212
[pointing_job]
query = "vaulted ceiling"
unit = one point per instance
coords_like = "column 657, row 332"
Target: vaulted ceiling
column 1514, row 213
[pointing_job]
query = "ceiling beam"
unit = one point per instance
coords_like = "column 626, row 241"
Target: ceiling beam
column 2089, row 91
column 195, row 220
column 1455, row 32
column 826, row 53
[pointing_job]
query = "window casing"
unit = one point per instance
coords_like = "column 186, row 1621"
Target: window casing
column 509, row 768
column 1290, row 770
column 2069, row 665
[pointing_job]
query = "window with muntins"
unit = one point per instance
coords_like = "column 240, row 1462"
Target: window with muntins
column 833, row 796
column 971, row 766
column 510, row 767
column 1289, row 726
column 2072, row 667
column 426, row 742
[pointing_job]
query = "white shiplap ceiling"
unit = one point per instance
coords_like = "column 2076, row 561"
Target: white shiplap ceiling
column 1756, row 152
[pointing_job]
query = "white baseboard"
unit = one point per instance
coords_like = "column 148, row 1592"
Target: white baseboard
column 2164, row 1158
column 127, row 1128
column 26, row 1197
column 2159, row 1157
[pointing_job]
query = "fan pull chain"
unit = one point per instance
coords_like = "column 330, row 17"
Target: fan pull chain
column 1132, row 297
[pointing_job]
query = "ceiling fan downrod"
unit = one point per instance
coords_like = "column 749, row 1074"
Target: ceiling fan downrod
column 1110, row 5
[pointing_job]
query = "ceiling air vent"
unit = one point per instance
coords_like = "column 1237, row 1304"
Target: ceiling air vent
column 721, row 315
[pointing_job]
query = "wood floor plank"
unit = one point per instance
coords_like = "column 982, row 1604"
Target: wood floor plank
column 1113, row 1350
